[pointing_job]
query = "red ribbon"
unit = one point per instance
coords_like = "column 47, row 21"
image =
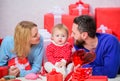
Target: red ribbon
column 80, row 2
column 53, row 72
column 82, row 73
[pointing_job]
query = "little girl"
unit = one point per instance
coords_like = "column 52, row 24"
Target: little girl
column 59, row 51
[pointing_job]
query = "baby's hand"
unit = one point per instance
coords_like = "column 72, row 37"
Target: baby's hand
column 60, row 64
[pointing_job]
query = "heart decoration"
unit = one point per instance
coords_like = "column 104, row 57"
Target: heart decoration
column 81, row 57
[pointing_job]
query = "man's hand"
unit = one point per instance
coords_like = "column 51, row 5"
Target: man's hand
column 13, row 70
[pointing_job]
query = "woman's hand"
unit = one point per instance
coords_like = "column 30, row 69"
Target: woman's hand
column 14, row 71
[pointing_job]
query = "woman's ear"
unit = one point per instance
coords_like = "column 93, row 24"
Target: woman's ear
column 84, row 35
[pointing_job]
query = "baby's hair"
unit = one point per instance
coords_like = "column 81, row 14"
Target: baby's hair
column 60, row 27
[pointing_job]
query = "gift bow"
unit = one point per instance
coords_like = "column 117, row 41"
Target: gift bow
column 53, row 72
column 80, row 7
column 57, row 10
column 79, row 2
column 103, row 28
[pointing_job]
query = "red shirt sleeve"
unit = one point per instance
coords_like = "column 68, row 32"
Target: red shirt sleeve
column 49, row 54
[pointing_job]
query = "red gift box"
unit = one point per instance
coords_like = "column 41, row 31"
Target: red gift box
column 81, row 74
column 97, row 78
column 3, row 71
column 78, row 8
column 94, row 78
column 104, row 29
column 110, row 17
column 49, row 21
column 54, row 76
column 21, row 63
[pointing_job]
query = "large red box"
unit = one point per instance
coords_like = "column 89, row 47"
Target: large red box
column 109, row 17
column 49, row 21
column 3, row 71
column 78, row 8
column 94, row 78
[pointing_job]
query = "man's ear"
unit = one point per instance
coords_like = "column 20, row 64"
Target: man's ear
column 84, row 35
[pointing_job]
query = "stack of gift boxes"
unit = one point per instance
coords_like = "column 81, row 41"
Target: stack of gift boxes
column 58, row 15
column 109, row 19
column 81, row 74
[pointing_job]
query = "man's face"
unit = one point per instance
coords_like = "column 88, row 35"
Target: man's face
column 76, row 34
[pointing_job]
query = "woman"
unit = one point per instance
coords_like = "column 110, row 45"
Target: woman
column 26, row 43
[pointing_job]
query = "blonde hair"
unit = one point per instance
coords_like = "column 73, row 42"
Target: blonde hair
column 60, row 27
column 22, row 37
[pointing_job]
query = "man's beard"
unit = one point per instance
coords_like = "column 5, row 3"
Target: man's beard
column 79, row 43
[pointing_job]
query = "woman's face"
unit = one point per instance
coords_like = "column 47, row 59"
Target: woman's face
column 35, row 36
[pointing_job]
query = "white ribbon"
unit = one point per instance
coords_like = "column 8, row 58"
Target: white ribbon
column 103, row 28
column 80, row 8
column 57, row 12
column 57, row 19
column 20, row 66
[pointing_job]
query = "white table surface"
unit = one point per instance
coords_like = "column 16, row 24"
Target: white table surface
column 44, row 79
column 115, row 79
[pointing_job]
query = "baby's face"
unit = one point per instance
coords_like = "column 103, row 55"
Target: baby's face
column 59, row 37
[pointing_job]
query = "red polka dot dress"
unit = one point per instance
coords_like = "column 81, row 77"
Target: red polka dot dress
column 55, row 53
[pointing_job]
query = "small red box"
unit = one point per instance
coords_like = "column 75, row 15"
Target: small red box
column 3, row 71
column 49, row 21
column 109, row 31
column 54, row 76
column 74, row 9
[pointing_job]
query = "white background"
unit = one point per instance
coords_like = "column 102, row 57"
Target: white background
column 14, row 11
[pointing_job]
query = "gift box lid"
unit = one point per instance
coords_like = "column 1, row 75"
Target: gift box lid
column 97, row 78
